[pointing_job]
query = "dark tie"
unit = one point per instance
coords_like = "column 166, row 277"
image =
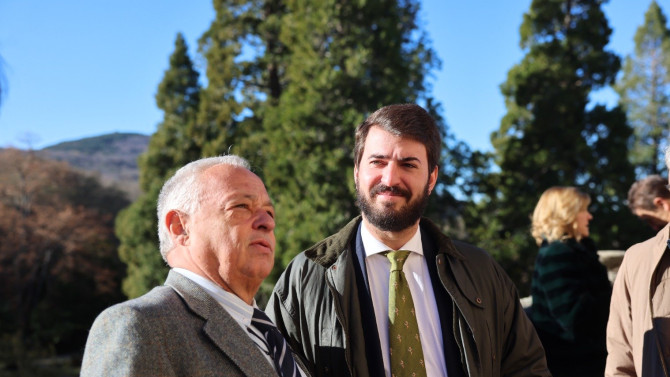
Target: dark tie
column 279, row 350
column 404, row 341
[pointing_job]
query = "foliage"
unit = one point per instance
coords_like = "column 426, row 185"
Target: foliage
column 173, row 144
column 57, row 252
column 287, row 83
column 644, row 91
column 551, row 135
column 342, row 62
column 136, row 227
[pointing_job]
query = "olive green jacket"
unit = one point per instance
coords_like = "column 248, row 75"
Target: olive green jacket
column 313, row 305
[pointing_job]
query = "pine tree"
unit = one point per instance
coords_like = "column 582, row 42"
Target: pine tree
column 287, row 84
column 343, row 62
column 644, row 91
column 551, row 135
column 171, row 146
column 238, row 49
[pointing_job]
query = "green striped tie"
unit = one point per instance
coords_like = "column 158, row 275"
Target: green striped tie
column 404, row 341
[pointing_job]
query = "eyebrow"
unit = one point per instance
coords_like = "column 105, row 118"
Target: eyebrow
column 386, row 157
column 253, row 197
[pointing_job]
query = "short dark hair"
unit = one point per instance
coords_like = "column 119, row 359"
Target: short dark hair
column 404, row 120
column 642, row 193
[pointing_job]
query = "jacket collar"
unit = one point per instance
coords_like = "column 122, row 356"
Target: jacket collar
column 329, row 250
column 661, row 246
column 220, row 327
column 444, row 243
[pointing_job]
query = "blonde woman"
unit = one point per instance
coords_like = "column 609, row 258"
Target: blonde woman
column 570, row 288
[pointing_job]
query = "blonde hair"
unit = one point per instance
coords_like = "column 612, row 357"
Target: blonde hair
column 556, row 212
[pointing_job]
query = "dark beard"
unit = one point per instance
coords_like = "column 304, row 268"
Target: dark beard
column 388, row 219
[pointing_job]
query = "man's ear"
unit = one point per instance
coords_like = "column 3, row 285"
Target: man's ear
column 432, row 180
column 662, row 203
column 176, row 223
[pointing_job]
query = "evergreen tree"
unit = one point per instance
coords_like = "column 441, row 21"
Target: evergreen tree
column 345, row 61
column 171, row 146
column 239, row 48
column 644, row 91
column 551, row 135
column 287, row 84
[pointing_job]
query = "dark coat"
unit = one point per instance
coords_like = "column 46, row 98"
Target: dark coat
column 571, row 296
column 314, row 306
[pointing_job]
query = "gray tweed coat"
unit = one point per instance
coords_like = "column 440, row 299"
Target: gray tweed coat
column 174, row 330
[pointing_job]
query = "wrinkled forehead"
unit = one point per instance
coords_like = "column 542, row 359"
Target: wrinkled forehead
column 221, row 180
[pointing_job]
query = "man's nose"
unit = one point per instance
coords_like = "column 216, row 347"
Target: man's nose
column 390, row 175
column 264, row 221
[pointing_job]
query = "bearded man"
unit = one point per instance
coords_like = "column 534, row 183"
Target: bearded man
column 390, row 294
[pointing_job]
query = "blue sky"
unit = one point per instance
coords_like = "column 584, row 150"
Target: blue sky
column 81, row 68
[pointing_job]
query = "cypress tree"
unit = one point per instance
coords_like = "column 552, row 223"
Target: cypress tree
column 237, row 48
column 170, row 147
column 287, row 84
column 644, row 91
column 551, row 134
column 345, row 60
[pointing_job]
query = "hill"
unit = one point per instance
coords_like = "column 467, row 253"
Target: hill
column 111, row 157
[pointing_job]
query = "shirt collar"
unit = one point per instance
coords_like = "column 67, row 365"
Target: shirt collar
column 374, row 246
column 236, row 307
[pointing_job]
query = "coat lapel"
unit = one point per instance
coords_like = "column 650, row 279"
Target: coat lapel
column 221, row 328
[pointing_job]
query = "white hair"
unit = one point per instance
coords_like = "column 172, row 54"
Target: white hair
column 183, row 192
column 667, row 156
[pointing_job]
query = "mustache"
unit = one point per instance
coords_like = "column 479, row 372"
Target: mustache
column 395, row 190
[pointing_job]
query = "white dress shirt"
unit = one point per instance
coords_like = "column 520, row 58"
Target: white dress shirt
column 418, row 279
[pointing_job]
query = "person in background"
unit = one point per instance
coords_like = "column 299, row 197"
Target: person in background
column 638, row 330
column 570, row 288
column 390, row 294
column 649, row 199
column 216, row 230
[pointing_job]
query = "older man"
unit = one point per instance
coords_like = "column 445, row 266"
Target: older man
column 216, row 229
column 390, row 294
column 638, row 330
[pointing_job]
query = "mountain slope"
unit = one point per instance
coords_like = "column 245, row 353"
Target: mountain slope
column 111, row 157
